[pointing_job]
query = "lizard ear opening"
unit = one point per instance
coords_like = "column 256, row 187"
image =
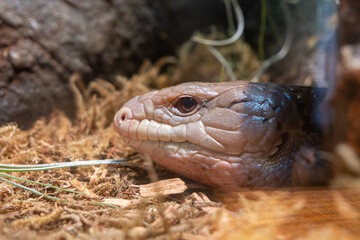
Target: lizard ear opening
column 185, row 105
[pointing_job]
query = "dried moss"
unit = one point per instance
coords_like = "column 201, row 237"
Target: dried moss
column 257, row 215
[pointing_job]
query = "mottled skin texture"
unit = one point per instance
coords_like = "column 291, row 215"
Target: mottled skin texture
column 240, row 134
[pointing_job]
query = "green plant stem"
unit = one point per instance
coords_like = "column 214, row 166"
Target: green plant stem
column 41, row 167
column 68, row 164
column 39, row 183
column 47, row 185
column 32, row 190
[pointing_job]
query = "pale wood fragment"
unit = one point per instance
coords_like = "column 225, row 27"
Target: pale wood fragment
column 81, row 188
column 203, row 202
column 118, row 202
column 163, row 187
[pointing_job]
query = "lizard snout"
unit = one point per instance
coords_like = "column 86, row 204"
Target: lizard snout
column 120, row 121
column 122, row 115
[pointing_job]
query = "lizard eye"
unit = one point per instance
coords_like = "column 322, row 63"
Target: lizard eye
column 186, row 104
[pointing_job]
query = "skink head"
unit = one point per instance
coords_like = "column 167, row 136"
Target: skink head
column 224, row 135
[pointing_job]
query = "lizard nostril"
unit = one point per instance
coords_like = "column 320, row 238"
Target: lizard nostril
column 122, row 115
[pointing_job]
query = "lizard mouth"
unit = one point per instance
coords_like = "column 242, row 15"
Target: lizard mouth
column 169, row 147
column 154, row 139
column 137, row 132
column 149, row 137
column 185, row 158
column 134, row 130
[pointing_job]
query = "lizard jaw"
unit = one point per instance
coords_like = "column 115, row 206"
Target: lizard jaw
column 172, row 151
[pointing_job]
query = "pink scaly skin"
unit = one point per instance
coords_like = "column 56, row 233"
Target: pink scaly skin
column 225, row 135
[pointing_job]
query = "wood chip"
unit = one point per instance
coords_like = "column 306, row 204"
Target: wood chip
column 118, row 202
column 202, row 201
column 81, row 188
column 170, row 216
column 201, row 197
column 97, row 176
column 163, row 187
